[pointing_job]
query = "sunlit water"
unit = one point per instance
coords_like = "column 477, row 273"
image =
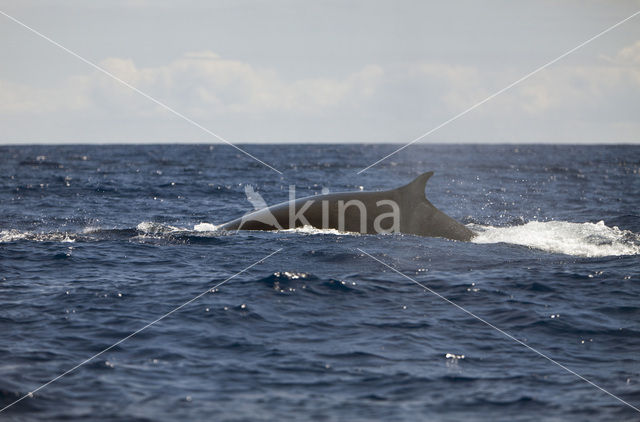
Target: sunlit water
column 95, row 242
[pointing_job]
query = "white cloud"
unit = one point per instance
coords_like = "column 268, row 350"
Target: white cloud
column 460, row 86
column 25, row 99
column 629, row 55
column 396, row 98
column 580, row 89
column 202, row 83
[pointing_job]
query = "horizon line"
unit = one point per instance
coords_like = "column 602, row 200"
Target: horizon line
column 150, row 143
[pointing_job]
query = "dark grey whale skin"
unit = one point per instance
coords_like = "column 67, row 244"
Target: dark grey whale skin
column 418, row 216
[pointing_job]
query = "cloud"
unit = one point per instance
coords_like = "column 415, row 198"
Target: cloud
column 629, row 55
column 202, row 83
column 389, row 102
column 581, row 89
column 16, row 98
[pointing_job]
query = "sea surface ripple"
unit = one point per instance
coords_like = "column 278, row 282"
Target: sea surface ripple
column 98, row 241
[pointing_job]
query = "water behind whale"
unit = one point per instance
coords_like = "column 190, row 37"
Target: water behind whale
column 92, row 249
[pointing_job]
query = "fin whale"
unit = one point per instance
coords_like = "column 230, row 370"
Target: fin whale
column 402, row 210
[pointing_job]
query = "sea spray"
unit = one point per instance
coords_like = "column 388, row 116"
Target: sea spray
column 578, row 239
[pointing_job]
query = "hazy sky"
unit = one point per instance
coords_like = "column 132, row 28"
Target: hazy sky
column 319, row 71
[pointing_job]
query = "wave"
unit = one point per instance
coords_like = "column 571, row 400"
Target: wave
column 314, row 230
column 15, row 235
column 148, row 228
column 205, row 227
column 211, row 228
column 578, row 239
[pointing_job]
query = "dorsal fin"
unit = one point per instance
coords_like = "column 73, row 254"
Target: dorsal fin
column 416, row 188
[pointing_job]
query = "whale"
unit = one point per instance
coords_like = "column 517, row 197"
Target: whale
column 405, row 209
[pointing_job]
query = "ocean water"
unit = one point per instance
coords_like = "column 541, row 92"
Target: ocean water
column 96, row 242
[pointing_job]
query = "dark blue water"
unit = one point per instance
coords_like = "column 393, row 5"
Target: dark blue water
column 98, row 241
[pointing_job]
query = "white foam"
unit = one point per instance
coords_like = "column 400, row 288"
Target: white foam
column 205, row 227
column 14, row 235
column 313, row 230
column 148, row 228
column 578, row 239
column 67, row 239
column 208, row 227
column 91, row 229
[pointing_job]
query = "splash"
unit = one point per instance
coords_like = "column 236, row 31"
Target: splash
column 313, row 230
column 16, row 235
column 577, row 239
column 209, row 228
column 148, row 228
column 12, row 235
column 205, row 227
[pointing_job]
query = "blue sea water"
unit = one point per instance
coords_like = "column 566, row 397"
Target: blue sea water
column 96, row 242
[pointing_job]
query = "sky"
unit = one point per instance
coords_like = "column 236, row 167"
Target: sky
column 319, row 71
